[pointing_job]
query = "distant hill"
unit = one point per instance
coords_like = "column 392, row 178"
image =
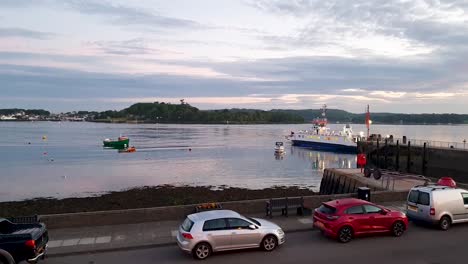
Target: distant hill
column 336, row 115
column 185, row 113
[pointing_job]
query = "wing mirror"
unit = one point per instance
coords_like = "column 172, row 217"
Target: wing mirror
column 253, row 227
column 383, row 212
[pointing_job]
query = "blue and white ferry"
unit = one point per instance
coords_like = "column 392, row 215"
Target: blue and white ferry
column 320, row 137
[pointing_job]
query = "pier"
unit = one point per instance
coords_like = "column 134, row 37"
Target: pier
column 341, row 181
column 433, row 159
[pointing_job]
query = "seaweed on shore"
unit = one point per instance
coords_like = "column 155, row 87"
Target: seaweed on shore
column 144, row 197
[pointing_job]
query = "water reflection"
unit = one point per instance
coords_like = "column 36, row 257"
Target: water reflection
column 321, row 159
column 279, row 156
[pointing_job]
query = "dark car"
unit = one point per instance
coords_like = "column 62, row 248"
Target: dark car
column 23, row 240
column 347, row 218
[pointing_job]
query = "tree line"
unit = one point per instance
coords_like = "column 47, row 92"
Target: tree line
column 185, row 113
column 160, row 112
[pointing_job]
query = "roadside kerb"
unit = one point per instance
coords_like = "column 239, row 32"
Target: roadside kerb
column 62, row 252
column 141, row 215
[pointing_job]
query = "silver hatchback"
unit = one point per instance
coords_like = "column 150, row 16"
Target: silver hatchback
column 204, row 233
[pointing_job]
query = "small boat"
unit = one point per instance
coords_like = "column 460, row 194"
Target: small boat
column 121, row 142
column 127, row 150
column 279, row 147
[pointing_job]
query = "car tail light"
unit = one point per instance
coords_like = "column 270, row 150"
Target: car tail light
column 432, row 211
column 31, row 244
column 332, row 217
column 187, row 235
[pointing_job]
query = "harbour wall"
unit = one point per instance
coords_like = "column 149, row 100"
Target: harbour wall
column 337, row 182
column 132, row 216
column 433, row 162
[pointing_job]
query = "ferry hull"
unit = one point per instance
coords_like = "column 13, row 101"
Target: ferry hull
column 325, row 146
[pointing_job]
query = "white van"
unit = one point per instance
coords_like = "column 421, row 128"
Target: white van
column 438, row 205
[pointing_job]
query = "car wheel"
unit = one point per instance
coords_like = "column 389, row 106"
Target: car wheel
column 6, row 258
column 445, row 223
column 201, row 251
column 398, row 228
column 269, row 243
column 345, row 234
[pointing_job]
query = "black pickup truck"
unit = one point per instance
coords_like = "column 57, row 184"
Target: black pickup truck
column 24, row 238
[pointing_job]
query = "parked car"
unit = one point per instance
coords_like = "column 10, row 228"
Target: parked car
column 344, row 219
column 438, row 205
column 218, row 230
column 22, row 241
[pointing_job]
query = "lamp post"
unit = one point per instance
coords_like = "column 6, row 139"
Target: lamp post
column 464, row 143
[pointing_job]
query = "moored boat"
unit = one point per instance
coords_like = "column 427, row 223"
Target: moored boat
column 121, row 142
column 127, row 150
column 279, row 147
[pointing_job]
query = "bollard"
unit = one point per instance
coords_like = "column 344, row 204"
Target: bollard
column 397, row 158
column 408, row 161
column 424, row 166
column 378, row 154
column 386, row 154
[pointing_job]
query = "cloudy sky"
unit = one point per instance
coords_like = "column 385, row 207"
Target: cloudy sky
column 396, row 55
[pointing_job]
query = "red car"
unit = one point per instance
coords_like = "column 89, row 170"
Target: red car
column 347, row 218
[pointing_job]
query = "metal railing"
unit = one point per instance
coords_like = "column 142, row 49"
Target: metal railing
column 463, row 145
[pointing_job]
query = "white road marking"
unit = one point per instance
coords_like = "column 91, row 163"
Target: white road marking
column 174, row 233
column 306, row 221
column 87, row 241
column 103, row 239
column 70, row 242
column 54, row 243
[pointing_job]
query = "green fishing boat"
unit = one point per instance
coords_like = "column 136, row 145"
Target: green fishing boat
column 120, row 143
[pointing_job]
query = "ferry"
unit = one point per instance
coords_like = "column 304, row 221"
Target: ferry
column 320, row 137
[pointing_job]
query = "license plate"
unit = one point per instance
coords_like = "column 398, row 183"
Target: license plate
column 412, row 208
column 319, row 224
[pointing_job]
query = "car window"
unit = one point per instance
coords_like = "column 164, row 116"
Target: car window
column 413, row 196
column 355, row 210
column 423, row 198
column 326, row 209
column 419, row 197
column 187, row 225
column 236, row 223
column 215, row 224
column 465, row 198
column 370, row 209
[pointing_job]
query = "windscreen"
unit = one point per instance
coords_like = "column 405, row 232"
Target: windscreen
column 187, row 225
column 326, row 209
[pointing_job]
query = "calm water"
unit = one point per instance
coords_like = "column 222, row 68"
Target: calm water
column 72, row 162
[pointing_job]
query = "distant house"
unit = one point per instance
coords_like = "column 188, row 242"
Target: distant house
column 4, row 117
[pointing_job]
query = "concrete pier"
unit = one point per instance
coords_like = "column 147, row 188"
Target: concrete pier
column 421, row 157
column 339, row 181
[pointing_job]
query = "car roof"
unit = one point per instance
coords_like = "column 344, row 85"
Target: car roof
column 430, row 188
column 214, row 214
column 346, row 202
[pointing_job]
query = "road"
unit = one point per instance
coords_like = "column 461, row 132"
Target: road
column 419, row 245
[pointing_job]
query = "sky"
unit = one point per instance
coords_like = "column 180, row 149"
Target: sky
column 395, row 55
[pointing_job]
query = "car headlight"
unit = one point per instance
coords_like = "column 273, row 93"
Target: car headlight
column 280, row 231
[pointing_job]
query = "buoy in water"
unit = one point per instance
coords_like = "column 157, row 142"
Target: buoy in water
column 189, row 149
column 44, row 137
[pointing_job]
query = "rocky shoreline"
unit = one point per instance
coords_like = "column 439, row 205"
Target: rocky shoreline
column 144, row 197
